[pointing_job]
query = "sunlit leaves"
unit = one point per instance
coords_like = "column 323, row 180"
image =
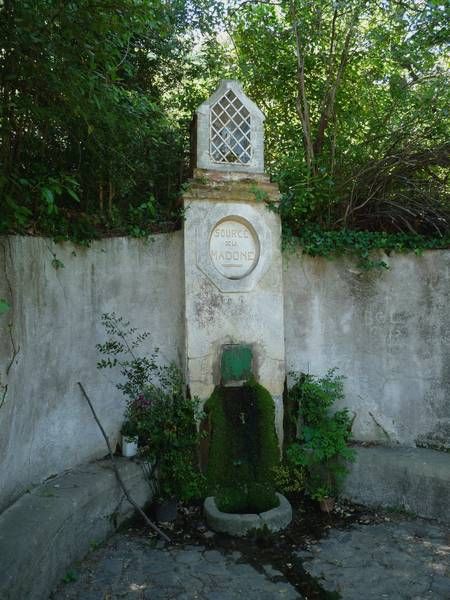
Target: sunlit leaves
column 87, row 135
column 390, row 100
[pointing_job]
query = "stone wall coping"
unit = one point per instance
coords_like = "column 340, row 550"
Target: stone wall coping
column 242, row 190
column 54, row 525
column 214, row 176
column 415, row 480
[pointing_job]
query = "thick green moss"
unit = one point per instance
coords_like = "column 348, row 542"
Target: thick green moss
column 232, row 500
column 251, row 498
column 261, row 497
column 243, row 447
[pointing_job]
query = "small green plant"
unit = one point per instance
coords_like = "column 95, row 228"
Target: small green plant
column 56, row 263
column 249, row 498
column 231, row 499
column 70, row 577
column 4, row 306
column 94, row 545
column 121, row 350
column 158, row 410
column 400, row 510
column 261, row 496
column 129, row 429
column 289, row 478
column 321, row 447
column 260, row 195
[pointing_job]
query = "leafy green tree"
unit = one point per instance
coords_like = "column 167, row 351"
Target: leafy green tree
column 356, row 97
column 87, row 143
column 96, row 99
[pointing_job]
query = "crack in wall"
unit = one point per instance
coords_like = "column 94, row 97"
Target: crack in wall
column 8, row 281
column 378, row 424
column 15, row 349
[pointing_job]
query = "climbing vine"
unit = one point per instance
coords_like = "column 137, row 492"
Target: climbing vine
column 365, row 246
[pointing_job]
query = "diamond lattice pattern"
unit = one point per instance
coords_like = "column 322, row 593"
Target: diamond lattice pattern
column 230, row 131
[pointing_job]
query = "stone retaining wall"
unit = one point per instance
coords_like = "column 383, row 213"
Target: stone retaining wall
column 47, row 530
column 388, row 332
column 415, row 480
column 45, row 424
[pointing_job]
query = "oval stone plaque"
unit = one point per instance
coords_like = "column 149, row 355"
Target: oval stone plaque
column 233, row 248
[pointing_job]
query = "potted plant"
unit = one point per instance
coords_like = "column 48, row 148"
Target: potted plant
column 170, row 441
column 321, row 444
column 177, row 480
column 325, row 496
column 159, row 411
column 129, row 439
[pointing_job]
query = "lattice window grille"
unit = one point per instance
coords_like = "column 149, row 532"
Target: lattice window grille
column 230, row 140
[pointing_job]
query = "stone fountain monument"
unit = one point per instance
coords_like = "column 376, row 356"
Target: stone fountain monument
column 233, row 272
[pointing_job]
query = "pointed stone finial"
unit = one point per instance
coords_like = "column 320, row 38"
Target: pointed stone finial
column 229, row 132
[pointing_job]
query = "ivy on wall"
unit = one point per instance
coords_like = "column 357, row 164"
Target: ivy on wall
column 365, row 246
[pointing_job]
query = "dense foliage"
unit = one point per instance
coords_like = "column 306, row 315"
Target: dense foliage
column 164, row 419
column 87, row 142
column 320, row 445
column 96, row 99
column 356, row 96
column 158, row 411
column 367, row 246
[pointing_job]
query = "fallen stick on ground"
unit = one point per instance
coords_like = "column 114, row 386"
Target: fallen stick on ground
column 116, row 471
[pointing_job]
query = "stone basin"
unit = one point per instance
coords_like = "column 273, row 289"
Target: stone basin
column 240, row 524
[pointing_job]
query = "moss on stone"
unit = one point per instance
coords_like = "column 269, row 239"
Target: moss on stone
column 232, row 500
column 248, row 499
column 261, row 497
column 243, row 447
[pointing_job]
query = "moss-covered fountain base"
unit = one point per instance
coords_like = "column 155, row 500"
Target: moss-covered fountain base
column 240, row 460
column 241, row 524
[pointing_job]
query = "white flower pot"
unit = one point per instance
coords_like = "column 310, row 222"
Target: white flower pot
column 129, row 446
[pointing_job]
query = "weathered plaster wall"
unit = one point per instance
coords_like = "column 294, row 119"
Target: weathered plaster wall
column 45, row 425
column 388, row 332
column 220, row 310
column 215, row 317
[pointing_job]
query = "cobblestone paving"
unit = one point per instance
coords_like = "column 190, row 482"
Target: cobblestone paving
column 130, row 568
column 398, row 559
column 405, row 560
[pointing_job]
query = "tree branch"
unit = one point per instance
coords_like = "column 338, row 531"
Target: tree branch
column 330, row 95
column 117, row 473
column 302, row 104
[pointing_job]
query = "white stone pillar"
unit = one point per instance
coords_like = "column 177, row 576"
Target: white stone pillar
column 233, row 273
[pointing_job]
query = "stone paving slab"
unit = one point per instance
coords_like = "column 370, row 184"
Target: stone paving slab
column 133, row 568
column 396, row 559
column 402, row 560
